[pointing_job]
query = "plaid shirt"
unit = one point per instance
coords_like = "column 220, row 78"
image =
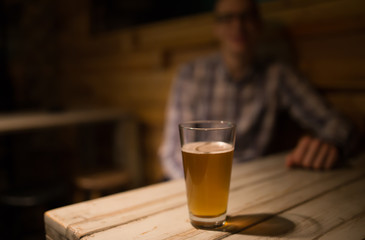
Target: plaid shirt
column 203, row 90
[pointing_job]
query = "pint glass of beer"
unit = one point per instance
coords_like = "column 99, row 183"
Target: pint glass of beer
column 207, row 151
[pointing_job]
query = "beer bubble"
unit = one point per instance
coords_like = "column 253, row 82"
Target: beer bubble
column 207, row 147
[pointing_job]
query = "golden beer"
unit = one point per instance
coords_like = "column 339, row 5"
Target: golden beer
column 207, row 168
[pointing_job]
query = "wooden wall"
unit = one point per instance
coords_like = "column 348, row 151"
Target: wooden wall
column 133, row 68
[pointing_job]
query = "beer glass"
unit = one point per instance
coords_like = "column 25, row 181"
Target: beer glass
column 207, row 151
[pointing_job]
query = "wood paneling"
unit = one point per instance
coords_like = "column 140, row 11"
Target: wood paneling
column 133, row 68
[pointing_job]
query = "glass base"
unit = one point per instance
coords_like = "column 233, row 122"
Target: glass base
column 207, row 222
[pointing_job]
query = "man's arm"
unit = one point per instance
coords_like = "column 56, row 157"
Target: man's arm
column 331, row 133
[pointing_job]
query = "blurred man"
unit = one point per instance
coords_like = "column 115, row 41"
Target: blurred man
column 235, row 85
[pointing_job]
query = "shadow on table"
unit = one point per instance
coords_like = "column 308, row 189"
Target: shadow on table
column 258, row 225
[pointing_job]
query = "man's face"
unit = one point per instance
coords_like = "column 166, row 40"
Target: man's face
column 236, row 26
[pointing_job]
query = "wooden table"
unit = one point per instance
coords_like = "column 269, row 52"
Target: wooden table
column 266, row 200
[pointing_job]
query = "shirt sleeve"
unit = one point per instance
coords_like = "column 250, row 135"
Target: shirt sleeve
column 179, row 109
column 306, row 106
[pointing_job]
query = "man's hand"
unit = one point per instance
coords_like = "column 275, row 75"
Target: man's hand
column 312, row 153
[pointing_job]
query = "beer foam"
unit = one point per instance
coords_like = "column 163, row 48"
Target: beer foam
column 207, row 147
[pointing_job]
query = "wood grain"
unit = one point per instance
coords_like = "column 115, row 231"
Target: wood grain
column 261, row 191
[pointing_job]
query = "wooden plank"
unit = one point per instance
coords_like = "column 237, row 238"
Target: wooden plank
column 62, row 220
column 124, row 78
column 292, row 13
column 279, row 203
column 125, row 41
column 299, row 189
column 182, row 55
column 137, row 87
column 141, row 88
column 335, row 73
column 328, row 26
column 318, row 216
column 267, row 196
column 176, row 32
column 18, row 122
column 84, row 218
column 247, row 174
column 100, row 45
column 347, row 46
column 153, row 227
column 353, row 229
column 152, row 116
column 53, row 234
column 115, row 62
column 345, row 84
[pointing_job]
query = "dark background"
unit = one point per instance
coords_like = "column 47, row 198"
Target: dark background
column 113, row 14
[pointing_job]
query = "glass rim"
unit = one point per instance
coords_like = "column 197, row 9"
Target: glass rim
column 225, row 125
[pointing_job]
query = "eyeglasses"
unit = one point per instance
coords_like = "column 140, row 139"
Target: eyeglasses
column 229, row 17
